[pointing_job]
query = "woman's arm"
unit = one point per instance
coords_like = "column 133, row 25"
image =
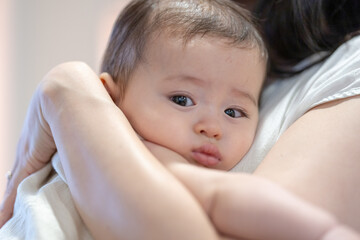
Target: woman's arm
column 119, row 188
column 247, row 206
column 318, row 159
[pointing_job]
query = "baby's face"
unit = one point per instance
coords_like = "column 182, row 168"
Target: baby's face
column 199, row 99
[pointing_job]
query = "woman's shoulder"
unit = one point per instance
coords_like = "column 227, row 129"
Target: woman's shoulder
column 353, row 43
column 335, row 78
column 347, row 55
column 286, row 100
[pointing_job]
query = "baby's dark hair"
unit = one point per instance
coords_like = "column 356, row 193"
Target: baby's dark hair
column 141, row 19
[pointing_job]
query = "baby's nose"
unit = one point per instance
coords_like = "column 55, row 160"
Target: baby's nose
column 209, row 128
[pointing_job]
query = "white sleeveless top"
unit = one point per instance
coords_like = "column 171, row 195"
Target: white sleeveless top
column 284, row 101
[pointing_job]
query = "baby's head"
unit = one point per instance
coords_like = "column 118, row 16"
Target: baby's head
column 143, row 19
column 189, row 73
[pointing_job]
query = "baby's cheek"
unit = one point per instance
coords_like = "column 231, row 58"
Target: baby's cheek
column 237, row 150
column 146, row 127
column 152, row 134
column 167, row 131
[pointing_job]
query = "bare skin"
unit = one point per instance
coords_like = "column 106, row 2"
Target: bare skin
column 328, row 159
column 221, row 195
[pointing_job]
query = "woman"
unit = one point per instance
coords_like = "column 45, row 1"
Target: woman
column 314, row 153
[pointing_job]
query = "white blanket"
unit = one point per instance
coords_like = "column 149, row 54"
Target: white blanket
column 44, row 209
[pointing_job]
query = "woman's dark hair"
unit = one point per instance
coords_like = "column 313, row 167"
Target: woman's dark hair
column 296, row 29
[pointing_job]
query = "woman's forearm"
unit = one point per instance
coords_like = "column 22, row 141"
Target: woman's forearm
column 246, row 206
column 119, row 188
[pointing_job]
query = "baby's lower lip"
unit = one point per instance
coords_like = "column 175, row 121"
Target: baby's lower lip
column 204, row 159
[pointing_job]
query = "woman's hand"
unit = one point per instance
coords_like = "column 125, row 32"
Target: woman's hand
column 34, row 150
column 36, row 145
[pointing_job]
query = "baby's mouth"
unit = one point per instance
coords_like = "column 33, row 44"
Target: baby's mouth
column 207, row 155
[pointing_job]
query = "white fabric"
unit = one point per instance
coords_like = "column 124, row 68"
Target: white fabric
column 44, row 208
column 284, row 101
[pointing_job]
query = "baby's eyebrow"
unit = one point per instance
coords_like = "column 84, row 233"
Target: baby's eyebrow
column 187, row 78
column 243, row 94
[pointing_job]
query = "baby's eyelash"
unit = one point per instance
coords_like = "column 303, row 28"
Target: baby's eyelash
column 236, row 113
column 244, row 113
column 182, row 100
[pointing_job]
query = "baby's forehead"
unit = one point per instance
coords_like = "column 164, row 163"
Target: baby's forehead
column 170, row 36
column 203, row 57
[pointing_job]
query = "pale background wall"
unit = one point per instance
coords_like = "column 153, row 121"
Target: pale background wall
column 35, row 36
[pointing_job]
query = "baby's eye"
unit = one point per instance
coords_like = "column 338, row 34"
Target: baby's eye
column 235, row 113
column 182, row 101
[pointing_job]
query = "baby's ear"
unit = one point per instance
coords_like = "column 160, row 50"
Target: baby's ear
column 111, row 87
